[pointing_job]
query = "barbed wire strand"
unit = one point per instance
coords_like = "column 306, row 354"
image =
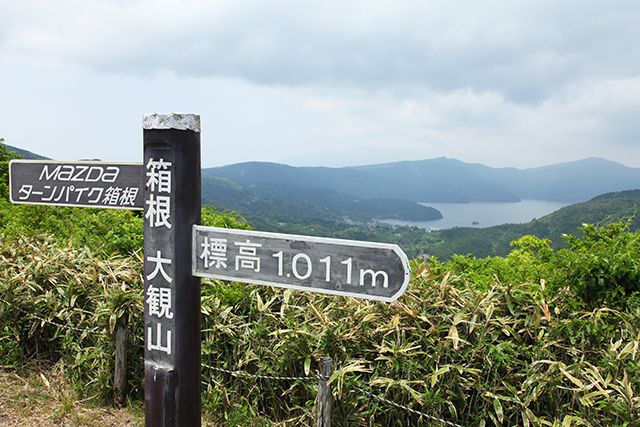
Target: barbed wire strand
column 260, row 376
column 51, row 322
column 319, row 377
column 255, row 376
column 413, row 411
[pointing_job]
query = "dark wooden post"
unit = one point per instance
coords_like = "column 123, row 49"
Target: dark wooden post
column 171, row 292
column 325, row 398
column 120, row 371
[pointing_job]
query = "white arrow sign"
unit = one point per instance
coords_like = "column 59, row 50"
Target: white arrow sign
column 376, row 271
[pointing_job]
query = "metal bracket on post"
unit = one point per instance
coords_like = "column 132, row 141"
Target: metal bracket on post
column 171, row 293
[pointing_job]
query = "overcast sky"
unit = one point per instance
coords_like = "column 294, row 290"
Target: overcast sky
column 504, row 83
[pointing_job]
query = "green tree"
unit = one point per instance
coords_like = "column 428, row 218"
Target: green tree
column 5, row 156
column 603, row 266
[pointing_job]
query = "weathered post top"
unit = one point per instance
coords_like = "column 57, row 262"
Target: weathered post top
column 178, row 121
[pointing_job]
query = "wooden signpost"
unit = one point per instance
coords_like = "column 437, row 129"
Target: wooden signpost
column 178, row 251
column 172, row 293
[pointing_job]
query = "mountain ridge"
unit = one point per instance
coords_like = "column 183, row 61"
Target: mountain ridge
column 445, row 180
column 24, row 153
column 284, row 193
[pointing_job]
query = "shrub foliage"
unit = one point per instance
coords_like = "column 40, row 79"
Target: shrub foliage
column 540, row 337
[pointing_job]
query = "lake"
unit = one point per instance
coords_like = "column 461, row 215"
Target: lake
column 483, row 214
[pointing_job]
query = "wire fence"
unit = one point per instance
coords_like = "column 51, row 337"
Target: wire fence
column 406, row 408
column 244, row 374
column 50, row 321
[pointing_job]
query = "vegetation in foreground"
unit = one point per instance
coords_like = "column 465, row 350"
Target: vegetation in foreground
column 536, row 338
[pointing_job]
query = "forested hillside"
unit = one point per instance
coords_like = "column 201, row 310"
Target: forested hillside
column 441, row 180
column 480, row 242
column 25, row 154
column 273, row 202
column 325, row 212
column 277, row 195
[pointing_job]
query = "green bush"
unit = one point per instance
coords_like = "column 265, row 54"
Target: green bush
column 602, row 266
column 60, row 304
column 498, row 341
column 104, row 231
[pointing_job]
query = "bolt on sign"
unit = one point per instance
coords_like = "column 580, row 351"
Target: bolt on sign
column 376, row 271
column 87, row 184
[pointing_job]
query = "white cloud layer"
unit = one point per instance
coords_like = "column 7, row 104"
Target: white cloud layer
column 503, row 83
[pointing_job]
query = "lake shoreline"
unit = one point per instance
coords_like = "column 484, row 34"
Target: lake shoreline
column 481, row 214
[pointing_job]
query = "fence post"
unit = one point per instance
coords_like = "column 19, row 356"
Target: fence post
column 120, row 371
column 325, row 399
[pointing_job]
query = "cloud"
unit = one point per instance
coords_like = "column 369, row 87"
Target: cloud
column 334, row 83
column 587, row 118
column 524, row 51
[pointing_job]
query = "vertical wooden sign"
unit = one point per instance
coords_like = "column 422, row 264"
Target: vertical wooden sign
column 171, row 294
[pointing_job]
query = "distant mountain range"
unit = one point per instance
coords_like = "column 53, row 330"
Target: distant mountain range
column 278, row 193
column 442, row 180
column 392, row 190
